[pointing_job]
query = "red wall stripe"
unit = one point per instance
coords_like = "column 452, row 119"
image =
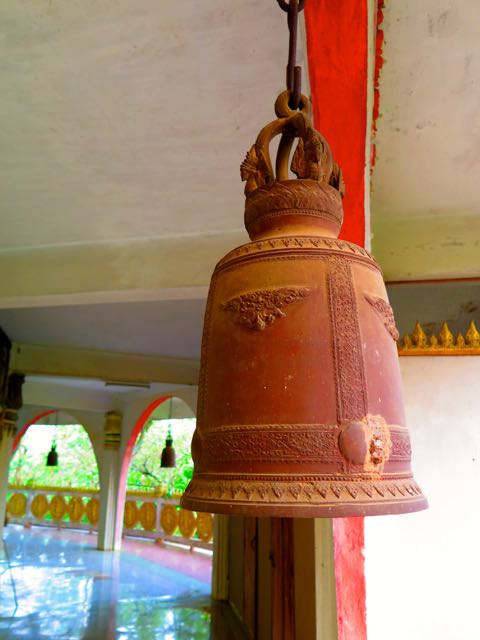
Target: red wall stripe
column 337, row 48
column 349, row 543
column 379, row 39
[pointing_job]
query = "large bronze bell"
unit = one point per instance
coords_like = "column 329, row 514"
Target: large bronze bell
column 300, row 408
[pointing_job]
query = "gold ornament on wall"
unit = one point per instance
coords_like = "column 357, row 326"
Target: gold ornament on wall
column 75, row 509
column 444, row 343
column 169, row 519
column 58, row 507
column 130, row 515
column 187, row 523
column 17, row 505
column 147, row 515
column 39, row 506
column 92, row 510
column 205, row 526
column 112, row 433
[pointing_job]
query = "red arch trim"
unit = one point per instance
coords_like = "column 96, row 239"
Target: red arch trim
column 136, row 430
column 28, row 424
column 122, row 485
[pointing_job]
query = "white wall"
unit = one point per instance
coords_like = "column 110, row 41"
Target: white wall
column 422, row 569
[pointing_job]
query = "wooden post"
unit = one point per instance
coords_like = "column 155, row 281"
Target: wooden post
column 250, row 575
column 220, row 558
column 283, row 591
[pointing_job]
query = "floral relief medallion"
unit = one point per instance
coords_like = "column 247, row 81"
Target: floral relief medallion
column 385, row 312
column 259, row 309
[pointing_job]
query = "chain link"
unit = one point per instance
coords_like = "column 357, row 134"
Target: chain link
column 294, row 72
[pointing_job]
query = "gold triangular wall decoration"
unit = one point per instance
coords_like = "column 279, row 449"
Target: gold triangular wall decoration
column 441, row 344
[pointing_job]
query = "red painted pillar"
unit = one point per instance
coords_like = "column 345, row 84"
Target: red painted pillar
column 337, row 46
column 348, row 542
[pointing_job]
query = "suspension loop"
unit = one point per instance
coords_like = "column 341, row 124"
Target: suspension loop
column 290, row 124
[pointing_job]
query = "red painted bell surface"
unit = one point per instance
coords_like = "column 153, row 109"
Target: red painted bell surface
column 300, row 408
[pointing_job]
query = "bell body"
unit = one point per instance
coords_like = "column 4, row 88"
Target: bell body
column 168, row 457
column 52, row 457
column 300, row 410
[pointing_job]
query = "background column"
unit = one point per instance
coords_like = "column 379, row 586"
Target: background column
column 8, row 427
column 108, row 537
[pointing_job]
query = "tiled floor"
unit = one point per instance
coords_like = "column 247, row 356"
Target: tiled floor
column 65, row 588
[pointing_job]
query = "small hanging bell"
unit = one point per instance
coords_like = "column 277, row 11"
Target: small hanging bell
column 52, row 457
column 168, row 453
column 299, row 408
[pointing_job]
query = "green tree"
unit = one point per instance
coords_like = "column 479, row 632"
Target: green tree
column 146, row 474
column 77, row 465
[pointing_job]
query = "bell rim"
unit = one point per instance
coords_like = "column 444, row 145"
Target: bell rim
column 361, row 508
column 318, row 496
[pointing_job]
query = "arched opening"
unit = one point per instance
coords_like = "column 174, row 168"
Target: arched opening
column 34, row 420
column 145, row 471
column 140, row 423
column 152, row 493
column 63, row 495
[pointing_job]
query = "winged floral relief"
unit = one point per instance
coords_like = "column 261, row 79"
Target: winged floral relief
column 385, row 312
column 313, row 159
column 254, row 170
column 259, row 309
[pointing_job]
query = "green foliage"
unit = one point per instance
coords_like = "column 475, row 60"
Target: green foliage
column 146, row 474
column 77, row 466
column 144, row 622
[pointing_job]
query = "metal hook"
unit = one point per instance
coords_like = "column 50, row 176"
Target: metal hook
column 286, row 5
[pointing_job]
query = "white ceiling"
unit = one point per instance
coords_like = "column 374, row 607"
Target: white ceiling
column 130, row 119
column 171, row 328
column 58, row 393
column 124, row 126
